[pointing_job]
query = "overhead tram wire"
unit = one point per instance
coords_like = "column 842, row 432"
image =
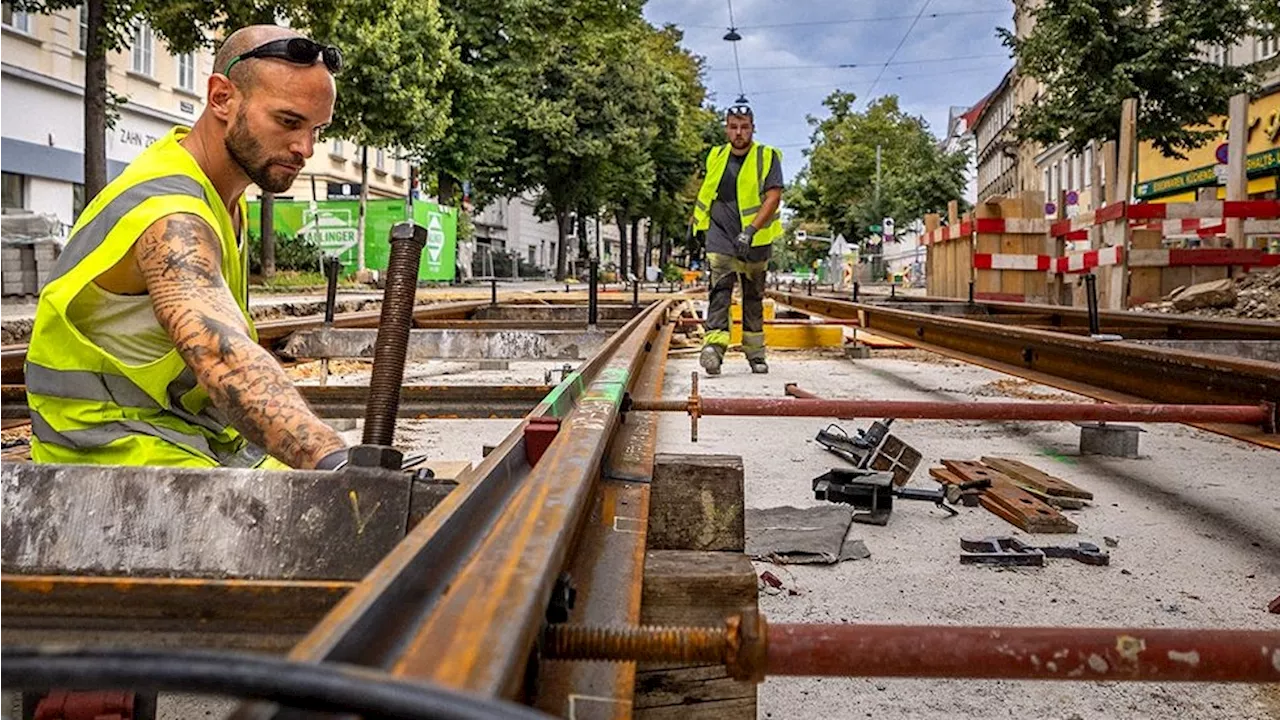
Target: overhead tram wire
column 894, row 54
column 733, row 37
column 855, row 21
column 867, row 65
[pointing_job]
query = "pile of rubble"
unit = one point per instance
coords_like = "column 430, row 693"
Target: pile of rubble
column 1252, row 296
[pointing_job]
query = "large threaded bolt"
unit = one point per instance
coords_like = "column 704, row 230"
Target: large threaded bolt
column 399, row 296
column 634, row 644
column 740, row 645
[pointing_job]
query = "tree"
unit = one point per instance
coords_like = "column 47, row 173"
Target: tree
column 839, row 185
column 1090, row 55
column 184, row 26
column 390, row 92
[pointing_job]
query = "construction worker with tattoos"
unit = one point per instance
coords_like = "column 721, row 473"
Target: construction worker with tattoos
column 143, row 351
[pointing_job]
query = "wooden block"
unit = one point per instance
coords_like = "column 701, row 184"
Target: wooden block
column 1024, row 473
column 699, row 589
column 696, row 503
column 1172, row 278
column 1008, row 501
column 189, row 522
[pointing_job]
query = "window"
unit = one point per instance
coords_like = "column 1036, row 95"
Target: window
column 336, row 147
column 379, row 159
column 84, row 27
column 533, row 255
column 77, row 201
column 1216, row 54
column 143, row 39
column 399, row 171
column 1057, row 181
column 1048, row 184
column 14, row 190
column 16, row 19
column 1268, row 46
column 1087, row 170
column 187, row 71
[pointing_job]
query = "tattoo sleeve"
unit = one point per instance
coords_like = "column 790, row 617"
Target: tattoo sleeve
column 180, row 257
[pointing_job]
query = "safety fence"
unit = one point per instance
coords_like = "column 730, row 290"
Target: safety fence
column 1007, row 251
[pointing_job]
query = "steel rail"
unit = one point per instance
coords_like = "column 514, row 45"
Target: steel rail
column 461, row 600
column 1135, row 325
column 1112, row 371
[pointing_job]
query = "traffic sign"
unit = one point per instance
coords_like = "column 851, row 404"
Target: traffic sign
column 1220, row 172
column 887, row 224
column 1050, row 209
column 1073, row 198
column 801, row 235
column 1221, row 153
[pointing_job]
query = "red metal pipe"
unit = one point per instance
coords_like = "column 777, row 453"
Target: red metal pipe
column 1025, row 653
column 997, row 411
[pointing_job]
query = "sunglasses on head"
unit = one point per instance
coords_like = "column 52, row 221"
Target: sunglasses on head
column 739, row 111
column 297, row 50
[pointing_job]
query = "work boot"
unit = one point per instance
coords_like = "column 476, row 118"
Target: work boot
column 759, row 366
column 710, row 360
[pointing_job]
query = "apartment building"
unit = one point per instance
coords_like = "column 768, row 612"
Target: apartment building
column 997, row 147
column 42, row 108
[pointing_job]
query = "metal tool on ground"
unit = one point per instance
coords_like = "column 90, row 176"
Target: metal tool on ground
column 873, row 449
column 966, row 493
column 1012, row 551
column 871, row 491
column 1004, row 498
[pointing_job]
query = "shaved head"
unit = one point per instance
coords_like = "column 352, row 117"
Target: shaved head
column 242, row 41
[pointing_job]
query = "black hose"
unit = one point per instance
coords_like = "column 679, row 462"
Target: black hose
column 316, row 687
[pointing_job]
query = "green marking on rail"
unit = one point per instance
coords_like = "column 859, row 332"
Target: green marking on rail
column 1054, row 454
column 557, row 399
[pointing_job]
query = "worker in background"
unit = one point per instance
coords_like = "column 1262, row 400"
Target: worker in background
column 143, row 351
column 737, row 208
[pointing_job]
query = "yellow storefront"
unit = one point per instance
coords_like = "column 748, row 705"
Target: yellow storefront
column 1163, row 180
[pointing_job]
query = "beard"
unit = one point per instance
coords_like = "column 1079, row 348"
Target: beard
column 741, row 144
column 247, row 152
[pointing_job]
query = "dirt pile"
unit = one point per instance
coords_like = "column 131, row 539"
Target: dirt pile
column 1252, row 296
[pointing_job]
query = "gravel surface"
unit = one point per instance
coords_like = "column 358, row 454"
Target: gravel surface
column 1196, row 519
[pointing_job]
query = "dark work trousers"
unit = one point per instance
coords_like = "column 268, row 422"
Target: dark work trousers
column 726, row 270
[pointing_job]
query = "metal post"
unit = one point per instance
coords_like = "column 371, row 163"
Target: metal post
column 593, row 310
column 332, row 267
column 1091, row 294
column 493, row 290
column 970, row 292
column 635, row 293
column 855, row 291
column 893, row 291
column 392, row 344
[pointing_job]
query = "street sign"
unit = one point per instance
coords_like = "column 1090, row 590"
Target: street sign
column 874, row 228
column 1050, row 209
column 1220, row 172
column 1073, row 198
column 1220, row 154
column 887, row 224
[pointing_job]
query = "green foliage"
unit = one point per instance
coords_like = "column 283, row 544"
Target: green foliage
column 391, row 92
column 293, row 252
column 672, row 273
column 838, row 186
column 1090, row 55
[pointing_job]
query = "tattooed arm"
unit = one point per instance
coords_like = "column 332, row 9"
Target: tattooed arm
column 180, row 259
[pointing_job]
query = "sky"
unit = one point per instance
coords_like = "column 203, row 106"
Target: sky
column 941, row 53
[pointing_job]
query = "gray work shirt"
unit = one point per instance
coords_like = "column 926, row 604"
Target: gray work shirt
column 726, row 221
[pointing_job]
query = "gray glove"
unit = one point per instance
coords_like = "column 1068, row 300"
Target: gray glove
column 743, row 241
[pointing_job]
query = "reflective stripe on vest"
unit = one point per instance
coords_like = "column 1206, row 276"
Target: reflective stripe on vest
column 249, row 455
column 95, row 232
column 750, row 196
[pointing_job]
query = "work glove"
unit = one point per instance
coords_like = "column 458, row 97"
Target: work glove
column 743, row 241
column 335, row 460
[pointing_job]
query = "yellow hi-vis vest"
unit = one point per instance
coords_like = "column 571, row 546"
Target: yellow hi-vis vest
column 89, row 407
column 755, row 168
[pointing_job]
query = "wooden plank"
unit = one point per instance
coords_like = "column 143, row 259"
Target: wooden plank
column 1024, row 473
column 190, row 522
column 988, row 281
column 1144, row 282
column 694, row 589
column 696, row 503
column 1010, row 502
column 1035, row 282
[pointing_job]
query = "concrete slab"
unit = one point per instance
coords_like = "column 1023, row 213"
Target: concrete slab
column 1266, row 350
column 449, row 344
column 1196, row 519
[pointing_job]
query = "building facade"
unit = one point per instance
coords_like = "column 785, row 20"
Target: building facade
column 42, row 108
column 997, row 147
